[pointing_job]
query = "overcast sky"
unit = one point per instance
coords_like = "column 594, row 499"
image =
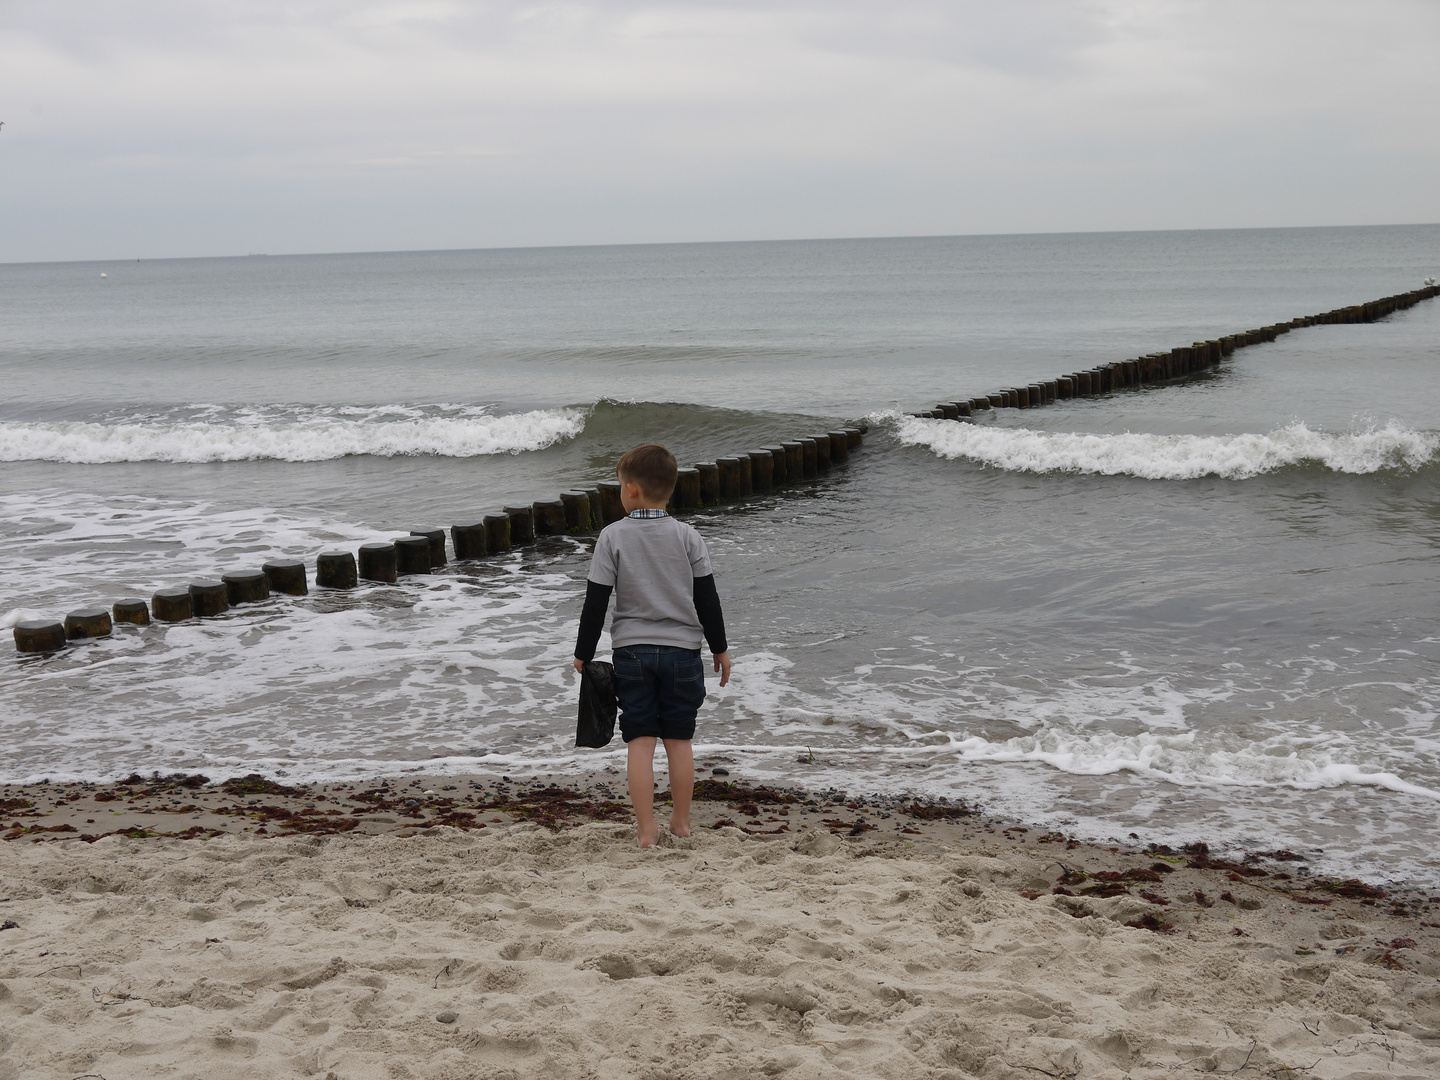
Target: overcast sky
column 147, row 128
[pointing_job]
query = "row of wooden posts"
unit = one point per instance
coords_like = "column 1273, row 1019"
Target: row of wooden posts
column 574, row 513
column 1164, row 366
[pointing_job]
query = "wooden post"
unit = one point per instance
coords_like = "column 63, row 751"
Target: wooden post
column 729, row 477
column 88, row 623
column 822, row 451
column 335, row 570
column 522, row 525
column 778, row 473
column 412, row 555
column 840, row 447
column 497, row 533
column 611, row 508
column 135, row 612
column 549, row 517
column 709, row 482
column 246, row 588
column 436, row 537
column 687, row 488
column 810, row 461
column 40, row 635
column 467, row 538
column 578, row 518
column 377, row 562
column 762, row 471
column 286, row 576
column 747, row 477
column 209, row 598
column 794, row 461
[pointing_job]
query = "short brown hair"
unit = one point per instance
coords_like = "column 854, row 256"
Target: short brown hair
column 652, row 467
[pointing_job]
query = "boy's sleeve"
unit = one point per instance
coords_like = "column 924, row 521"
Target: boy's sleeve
column 603, row 570
column 698, row 552
column 707, row 610
column 592, row 619
column 598, row 587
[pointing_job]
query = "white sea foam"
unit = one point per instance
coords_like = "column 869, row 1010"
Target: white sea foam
column 290, row 434
column 1173, row 457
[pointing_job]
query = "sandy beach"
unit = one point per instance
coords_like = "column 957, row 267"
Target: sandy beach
column 793, row 935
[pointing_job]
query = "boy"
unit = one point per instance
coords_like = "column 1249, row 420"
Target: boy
column 659, row 571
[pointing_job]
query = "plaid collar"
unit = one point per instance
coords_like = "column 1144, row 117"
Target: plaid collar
column 648, row 512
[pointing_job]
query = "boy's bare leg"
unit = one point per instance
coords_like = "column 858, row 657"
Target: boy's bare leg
column 640, row 772
column 681, row 757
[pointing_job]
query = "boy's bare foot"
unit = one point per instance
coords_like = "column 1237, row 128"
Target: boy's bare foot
column 648, row 839
column 679, row 828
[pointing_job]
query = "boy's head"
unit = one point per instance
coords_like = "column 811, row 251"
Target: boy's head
column 652, row 469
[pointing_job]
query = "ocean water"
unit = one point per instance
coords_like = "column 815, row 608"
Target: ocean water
column 1203, row 611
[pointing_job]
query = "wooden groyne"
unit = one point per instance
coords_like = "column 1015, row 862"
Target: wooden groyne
column 578, row 512
column 1164, row 367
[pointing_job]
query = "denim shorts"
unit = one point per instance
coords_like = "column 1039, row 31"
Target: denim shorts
column 660, row 688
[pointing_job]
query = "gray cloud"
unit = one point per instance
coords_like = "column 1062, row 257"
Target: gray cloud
column 149, row 129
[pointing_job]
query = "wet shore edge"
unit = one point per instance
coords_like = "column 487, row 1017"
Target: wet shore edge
column 1177, row 888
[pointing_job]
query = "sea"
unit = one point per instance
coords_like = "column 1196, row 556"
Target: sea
column 1201, row 611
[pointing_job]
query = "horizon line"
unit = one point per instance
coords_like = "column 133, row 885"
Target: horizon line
column 699, row 243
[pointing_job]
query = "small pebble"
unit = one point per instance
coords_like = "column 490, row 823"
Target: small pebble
column 427, row 791
column 449, row 1016
column 10, row 924
column 719, row 772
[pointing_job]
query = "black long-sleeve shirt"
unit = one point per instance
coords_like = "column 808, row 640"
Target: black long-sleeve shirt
column 597, row 602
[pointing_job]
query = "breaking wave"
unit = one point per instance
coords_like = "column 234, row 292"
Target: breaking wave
column 1172, row 457
column 290, row 433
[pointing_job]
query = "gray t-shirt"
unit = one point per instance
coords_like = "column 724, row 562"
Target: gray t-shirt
column 653, row 564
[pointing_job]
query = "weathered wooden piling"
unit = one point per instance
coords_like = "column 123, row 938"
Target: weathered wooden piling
column 729, row 477
column 377, row 562
column 209, row 598
column 747, row 475
column 249, row 587
column 522, row 525
column 39, row 636
column 336, row 570
column 709, row 482
column 286, row 576
column 611, row 508
column 762, row 471
column 840, row 447
column 822, row 451
column 578, row 519
column 779, row 475
column 436, row 537
column 497, row 533
column 809, row 468
column 172, row 605
column 467, row 538
column 948, row 410
column 133, row 611
column 854, row 439
column 794, row 460
column 412, row 555
column 549, row 517
column 88, row 623
column 687, row 488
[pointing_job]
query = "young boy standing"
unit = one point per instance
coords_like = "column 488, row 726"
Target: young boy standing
column 665, row 598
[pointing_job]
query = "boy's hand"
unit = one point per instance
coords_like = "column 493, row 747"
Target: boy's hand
column 580, row 665
column 722, row 665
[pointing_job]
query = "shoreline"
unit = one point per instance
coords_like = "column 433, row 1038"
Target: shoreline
column 791, row 935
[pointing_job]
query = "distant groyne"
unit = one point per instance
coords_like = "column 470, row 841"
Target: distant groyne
column 1165, row 367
